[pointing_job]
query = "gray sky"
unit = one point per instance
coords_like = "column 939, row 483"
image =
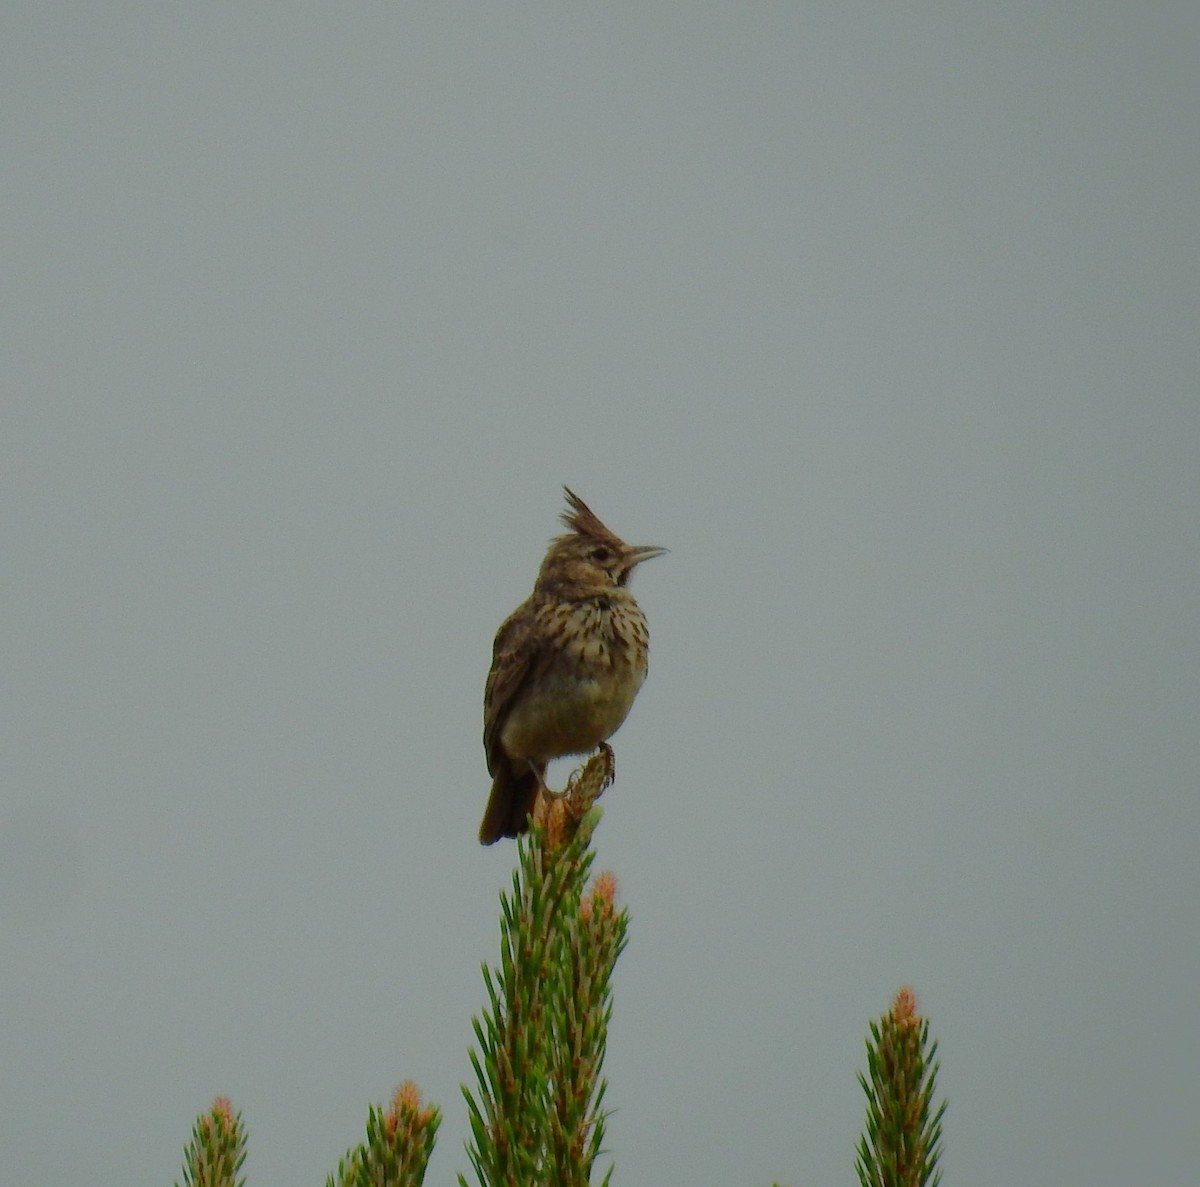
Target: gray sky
column 882, row 317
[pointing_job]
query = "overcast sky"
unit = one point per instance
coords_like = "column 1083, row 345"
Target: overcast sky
column 883, row 317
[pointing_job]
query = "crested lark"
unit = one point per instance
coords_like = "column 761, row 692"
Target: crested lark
column 566, row 665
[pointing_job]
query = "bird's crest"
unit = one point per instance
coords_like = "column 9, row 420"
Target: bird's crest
column 580, row 518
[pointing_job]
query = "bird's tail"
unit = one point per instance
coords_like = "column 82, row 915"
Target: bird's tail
column 513, row 793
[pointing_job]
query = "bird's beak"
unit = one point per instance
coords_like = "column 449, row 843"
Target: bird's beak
column 644, row 552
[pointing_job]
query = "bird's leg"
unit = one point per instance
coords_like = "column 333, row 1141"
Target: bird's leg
column 544, row 791
column 610, row 764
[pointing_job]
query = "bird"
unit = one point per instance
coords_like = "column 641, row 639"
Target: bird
column 566, row 665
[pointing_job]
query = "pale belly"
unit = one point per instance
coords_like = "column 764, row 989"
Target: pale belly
column 569, row 716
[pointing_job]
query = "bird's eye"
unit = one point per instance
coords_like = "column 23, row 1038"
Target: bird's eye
column 601, row 554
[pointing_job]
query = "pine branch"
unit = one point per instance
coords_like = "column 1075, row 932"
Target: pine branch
column 399, row 1143
column 217, row 1150
column 537, row 1116
column 903, row 1140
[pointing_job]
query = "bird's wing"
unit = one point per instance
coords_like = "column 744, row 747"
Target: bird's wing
column 513, row 657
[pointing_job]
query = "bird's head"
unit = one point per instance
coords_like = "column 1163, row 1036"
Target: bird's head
column 590, row 559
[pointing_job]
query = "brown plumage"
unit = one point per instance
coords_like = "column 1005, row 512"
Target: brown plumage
column 566, row 665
